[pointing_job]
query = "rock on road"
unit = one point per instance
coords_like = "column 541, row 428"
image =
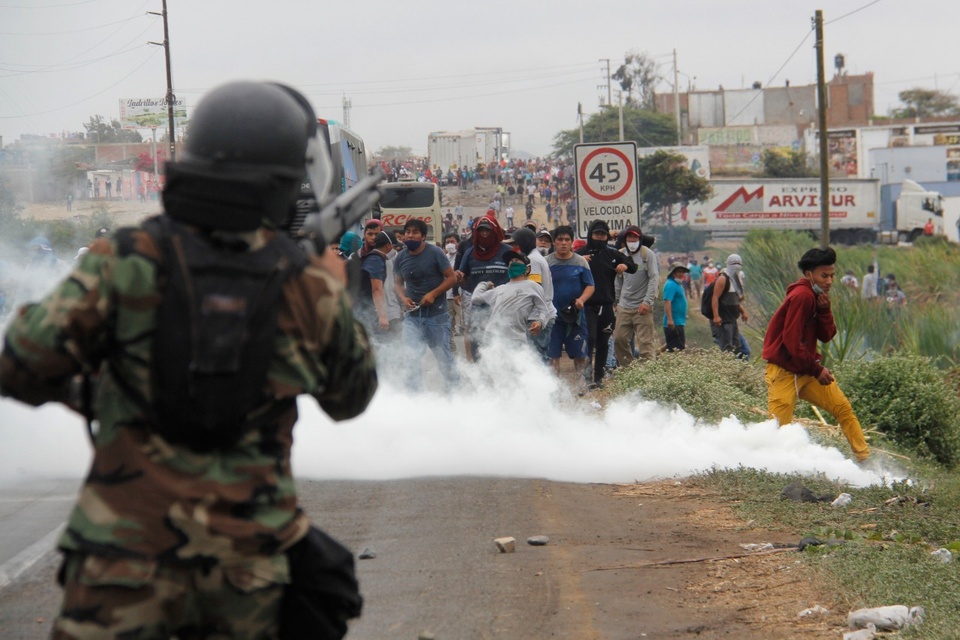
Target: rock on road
column 438, row 570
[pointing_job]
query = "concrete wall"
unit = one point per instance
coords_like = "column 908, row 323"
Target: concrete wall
column 790, row 105
column 922, row 164
column 706, row 109
column 743, row 107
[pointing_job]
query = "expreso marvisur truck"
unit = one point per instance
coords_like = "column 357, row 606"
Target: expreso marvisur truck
column 794, row 204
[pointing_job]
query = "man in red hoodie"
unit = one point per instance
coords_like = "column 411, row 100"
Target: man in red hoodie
column 790, row 349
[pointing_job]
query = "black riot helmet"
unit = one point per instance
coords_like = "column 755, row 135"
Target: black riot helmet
column 525, row 240
column 247, row 151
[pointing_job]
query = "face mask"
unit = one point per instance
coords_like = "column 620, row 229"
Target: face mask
column 412, row 245
column 516, row 269
column 633, row 246
column 451, row 247
column 543, row 250
column 596, row 245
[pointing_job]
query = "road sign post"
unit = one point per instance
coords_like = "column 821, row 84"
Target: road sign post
column 606, row 185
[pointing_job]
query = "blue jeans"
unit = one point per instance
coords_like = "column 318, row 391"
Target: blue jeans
column 420, row 333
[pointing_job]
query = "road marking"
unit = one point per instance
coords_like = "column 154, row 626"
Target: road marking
column 20, row 563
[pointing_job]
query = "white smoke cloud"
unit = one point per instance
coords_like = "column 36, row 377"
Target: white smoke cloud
column 512, row 417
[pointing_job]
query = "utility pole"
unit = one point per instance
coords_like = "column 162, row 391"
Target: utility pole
column 609, row 88
column 620, row 115
column 347, row 105
column 822, row 117
column 580, row 118
column 676, row 98
column 171, row 99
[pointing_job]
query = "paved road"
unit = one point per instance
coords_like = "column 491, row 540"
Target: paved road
column 30, row 517
column 437, row 568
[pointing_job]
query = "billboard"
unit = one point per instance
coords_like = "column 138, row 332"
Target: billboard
column 147, row 113
column 698, row 157
column 785, row 204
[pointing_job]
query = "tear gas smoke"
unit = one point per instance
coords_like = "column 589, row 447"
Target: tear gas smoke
column 512, row 417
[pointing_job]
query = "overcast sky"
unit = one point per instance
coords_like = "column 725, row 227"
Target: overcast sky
column 411, row 67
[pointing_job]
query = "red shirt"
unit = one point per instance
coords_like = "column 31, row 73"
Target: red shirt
column 791, row 338
column 709, row 275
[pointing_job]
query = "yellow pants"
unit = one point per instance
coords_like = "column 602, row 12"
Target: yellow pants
column 783, row 389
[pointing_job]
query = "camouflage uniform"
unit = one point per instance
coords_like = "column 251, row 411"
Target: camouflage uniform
column 165, row 540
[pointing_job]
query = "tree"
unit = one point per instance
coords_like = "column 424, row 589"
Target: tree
column 638, row 77
column 786, row 163
column 394, row 152
column 102, row 132
column 665, row 180
column 920, row 103
column 145, row 163
column 646, row 128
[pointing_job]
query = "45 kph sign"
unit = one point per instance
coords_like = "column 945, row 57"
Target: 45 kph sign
column 606, row 185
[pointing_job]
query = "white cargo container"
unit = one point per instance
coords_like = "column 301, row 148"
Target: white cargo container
column 795, row 204
column 455, row 149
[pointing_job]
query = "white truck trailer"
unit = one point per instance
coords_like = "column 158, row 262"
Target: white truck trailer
column 741, row 205
column 455, row 149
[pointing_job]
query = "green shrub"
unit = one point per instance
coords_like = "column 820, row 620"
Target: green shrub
column 65, row 235
column 708, row 384
column 909, row 400
column 770, row 264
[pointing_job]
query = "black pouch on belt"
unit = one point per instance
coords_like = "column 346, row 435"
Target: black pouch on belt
column 323, row 592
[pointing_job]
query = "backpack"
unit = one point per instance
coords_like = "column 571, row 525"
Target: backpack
column 358, row 280
column 214, row 333
column 706, row 299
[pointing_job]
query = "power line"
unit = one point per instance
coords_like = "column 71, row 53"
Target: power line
column 49, row 6
column 775, row 74
column 138, row 12
column 453, row 98
column 338, row 85
column 421, row 89
column 78, row 65
column 63, row 33
column 906, row 80
column 73, row 104
column 852, row 12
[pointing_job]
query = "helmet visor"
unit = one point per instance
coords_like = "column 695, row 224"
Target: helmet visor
column 319, row 169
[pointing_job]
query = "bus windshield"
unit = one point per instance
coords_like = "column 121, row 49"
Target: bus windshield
column 404, row 201
column 407, row 197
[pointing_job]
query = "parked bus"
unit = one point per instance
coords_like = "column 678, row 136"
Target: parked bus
column 348, row 157
column 402, row 201
column 347, row 154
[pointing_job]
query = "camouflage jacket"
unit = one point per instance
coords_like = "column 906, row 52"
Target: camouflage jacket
column 144, row 497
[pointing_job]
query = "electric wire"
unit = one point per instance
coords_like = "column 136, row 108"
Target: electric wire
column 869, row 4
column 906, row 80
column 91, row 48
column 91, row 97
column 455, row 98
column 79, row 65
column 49, row 6
column 63, row 33
column 421, row 89
column 404, row 80
column 772, row 78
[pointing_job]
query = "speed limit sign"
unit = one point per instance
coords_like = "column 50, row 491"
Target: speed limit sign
column 607, row 185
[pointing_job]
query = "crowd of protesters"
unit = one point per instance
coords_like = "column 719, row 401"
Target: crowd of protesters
column 591, row 300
